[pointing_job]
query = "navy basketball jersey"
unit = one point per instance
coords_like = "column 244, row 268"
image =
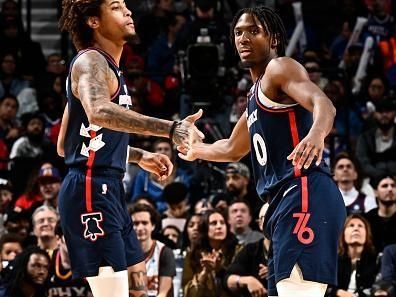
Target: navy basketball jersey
column 92, row 146
column 275, row 129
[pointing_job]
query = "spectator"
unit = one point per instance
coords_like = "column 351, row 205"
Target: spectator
column 176, row 196
column 61, row 282
column 44, row 221
column 383, row 218
column 191, row 233
column 172, row 233
column 237, row 182
column 5, row 199
column 28, row 52
column 41, row 190
column 388, row 263
column 153, row 23
column 19, row 223
column 49, row 181
column 150, row 184
column 245, row 277
column 10, row 82
column 357, row 259
column 210, row 257
column 202, row 205
column 346, row 177
column 376, row 88
column 10, row 247
column 30, row 151
column 314, row 70
column 9, row 131
column 159, row 259
column 376, row 148
column 28, row 275
column 380, row 24
column 161, row 57
column 239, row 219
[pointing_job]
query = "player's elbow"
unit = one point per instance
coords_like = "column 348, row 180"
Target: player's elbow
column 95, row 115
column 60, row 151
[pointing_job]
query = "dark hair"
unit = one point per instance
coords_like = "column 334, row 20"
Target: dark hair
column 17, row 271
column 368, row 244
column 345, row 155
column 375, row 181
column 175, row 192
column 241, row 200
column 9, row 96
column 185, row 240
column 270, row 21
column 154, row 216
column 75, row 14
column 227, row 247
column 10, row 237
column 144, row 196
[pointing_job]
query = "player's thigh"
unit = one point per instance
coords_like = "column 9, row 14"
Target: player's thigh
column 296, row 286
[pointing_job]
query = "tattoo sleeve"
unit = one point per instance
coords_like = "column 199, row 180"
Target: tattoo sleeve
column 90, row 76
column 135, row 155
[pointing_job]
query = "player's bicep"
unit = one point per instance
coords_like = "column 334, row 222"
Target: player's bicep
column 90, row 75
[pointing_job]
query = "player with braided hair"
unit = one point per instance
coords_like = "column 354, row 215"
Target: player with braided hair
column 94, row 140
column 286, row 121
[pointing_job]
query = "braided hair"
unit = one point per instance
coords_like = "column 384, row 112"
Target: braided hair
column 75, row 14
column 271, row 23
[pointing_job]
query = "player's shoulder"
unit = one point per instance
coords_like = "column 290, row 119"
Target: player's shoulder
column 285, row 67
column 283, row 63
column 88, row 59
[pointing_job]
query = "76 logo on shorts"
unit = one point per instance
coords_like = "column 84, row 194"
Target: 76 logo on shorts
column 304, row 234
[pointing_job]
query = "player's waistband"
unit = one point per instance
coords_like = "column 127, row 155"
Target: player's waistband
column 98, row 171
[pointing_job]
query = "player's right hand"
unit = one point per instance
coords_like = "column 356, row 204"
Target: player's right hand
column 186, row 133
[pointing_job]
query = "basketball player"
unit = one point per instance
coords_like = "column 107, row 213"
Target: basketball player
column 286, row 121
column 98, row 230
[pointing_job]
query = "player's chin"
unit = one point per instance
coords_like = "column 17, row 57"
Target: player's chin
column 246, row 63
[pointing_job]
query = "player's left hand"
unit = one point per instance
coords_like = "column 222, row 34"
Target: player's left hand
column 159, row 164
column 310, row 147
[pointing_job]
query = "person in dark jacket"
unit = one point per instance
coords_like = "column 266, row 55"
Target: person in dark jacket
column 357, row 267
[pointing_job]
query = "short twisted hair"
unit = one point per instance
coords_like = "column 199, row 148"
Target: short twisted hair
column 271, row 23
column 75, row 14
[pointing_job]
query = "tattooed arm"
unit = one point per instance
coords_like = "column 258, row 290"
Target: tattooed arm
column 159, row 164
column 90, row 77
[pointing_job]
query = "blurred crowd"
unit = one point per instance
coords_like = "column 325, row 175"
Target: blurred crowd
column 200, row 229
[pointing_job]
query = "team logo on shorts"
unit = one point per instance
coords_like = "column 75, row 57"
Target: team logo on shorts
column 92, row 222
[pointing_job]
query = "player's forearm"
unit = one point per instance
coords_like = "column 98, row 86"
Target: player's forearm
column 219, row 151
column 323, row 116
column 135, row 154
column 114, row 117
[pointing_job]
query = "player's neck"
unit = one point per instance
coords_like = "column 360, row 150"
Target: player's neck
column 112, row 48
column 259, row 69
